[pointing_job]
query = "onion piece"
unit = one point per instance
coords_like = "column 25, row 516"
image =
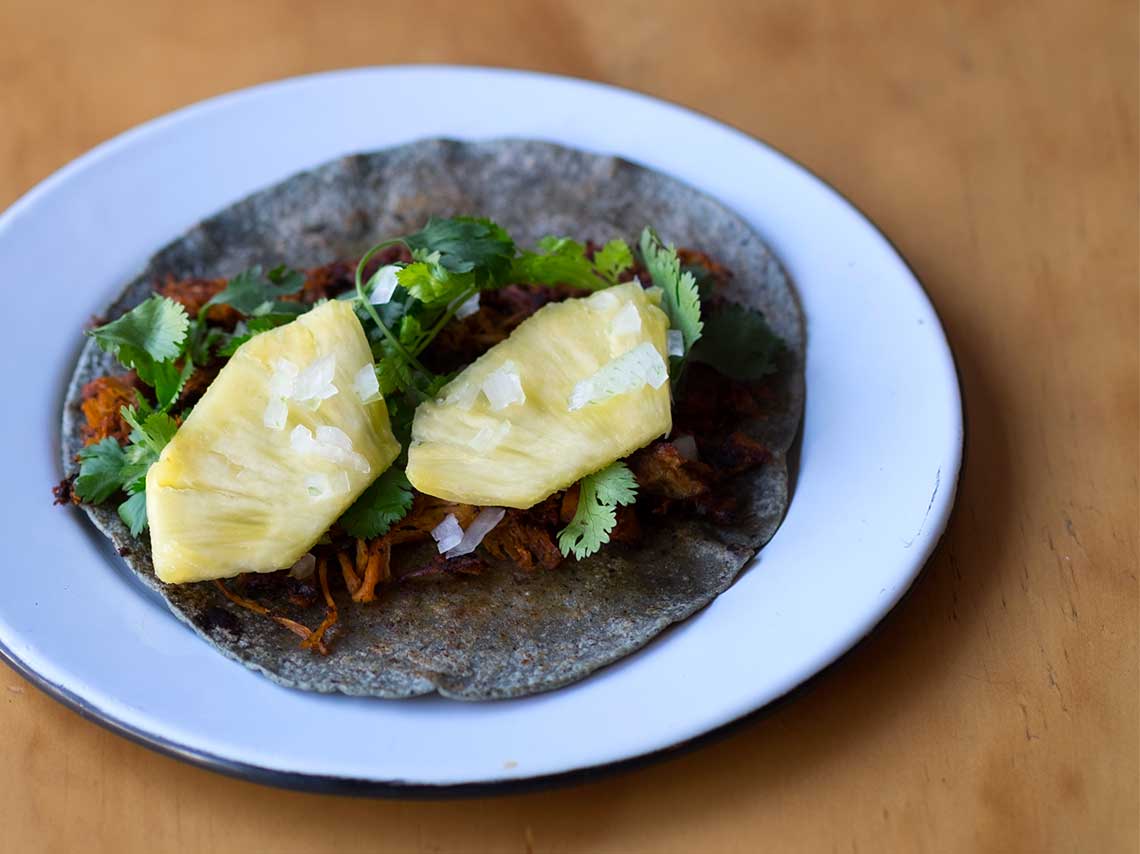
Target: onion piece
column 627, row 321
column 461, row 395
column 468, row 308
column 489, row 438
column 447, row 534
column 503, row 387
column 330, row 443
column 631, row 371
column 365, row 384
column 276, row 413
column 675, row 342
column 385, row 284
column 603, row 301
column 482, row 525
column 315, row 382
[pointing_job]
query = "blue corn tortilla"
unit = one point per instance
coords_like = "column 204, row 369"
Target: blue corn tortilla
column 503, row 633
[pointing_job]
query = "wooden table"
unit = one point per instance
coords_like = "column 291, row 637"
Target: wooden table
column 996, row 143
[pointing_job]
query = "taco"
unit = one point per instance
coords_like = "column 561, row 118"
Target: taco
column 483, row 458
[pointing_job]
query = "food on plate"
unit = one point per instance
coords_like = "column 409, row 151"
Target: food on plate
column 500, row 448
column 281, row 443
column 579, row 384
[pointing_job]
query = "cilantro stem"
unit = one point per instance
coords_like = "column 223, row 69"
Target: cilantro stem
column 371, row 309
column 447, row 315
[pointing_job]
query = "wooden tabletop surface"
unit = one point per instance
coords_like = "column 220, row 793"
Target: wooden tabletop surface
column 996, row 144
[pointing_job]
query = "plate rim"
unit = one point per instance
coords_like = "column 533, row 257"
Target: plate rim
column 397, row 788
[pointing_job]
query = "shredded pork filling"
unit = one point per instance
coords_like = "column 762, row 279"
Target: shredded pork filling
column 679, row 475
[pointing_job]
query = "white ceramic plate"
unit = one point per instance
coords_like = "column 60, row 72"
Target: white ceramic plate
column 881, row 450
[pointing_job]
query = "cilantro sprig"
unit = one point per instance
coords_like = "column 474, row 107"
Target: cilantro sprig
column 453, row 260
column 149, row 338
column 599, row 496
column 380, row 506
column 561, row 261
column 680, row 297
column 107, row 468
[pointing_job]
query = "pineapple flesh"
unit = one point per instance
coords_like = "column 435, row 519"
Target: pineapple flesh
column 576, row 386
column 282, row 442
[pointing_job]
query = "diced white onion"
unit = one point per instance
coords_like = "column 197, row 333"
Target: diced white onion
column 365, row 384
column 675, row 342
column 503, row 387
column 686, row 446
column 334, row 437
column 315, row 382
column 603, row 301
column 627, row 321
column 330, row 443
column 447, row 534
column 281, row 382
column 482, row 525
column 276, row 413
column 469, row 307
column 385, row 284
column 305, row 566
column 631, row 371
column 490, row 437
column 461, row 395
column 282, row 379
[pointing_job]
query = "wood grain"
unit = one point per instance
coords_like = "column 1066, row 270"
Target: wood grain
column 996, row 143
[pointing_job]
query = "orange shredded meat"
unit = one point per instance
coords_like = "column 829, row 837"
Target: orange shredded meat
column 103, row 400
column 316, row 639
column 351, row 579
column 528, row 545
column 376, row 556
column 296, row 628
column 193, row 294
column 426, row 513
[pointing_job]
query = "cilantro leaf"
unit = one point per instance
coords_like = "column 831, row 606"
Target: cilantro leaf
column 152, row 331
column 133, row 513
column 465, row 244
column 253, row 326
column 149, row 338
column 410, row 331
column 615, row 484
column 705, row 280
column 100, row 471
column 392, row 374
column 681, row 299
column 432, row 283
column 380, row 506
column 599, row 494
column 202, row 340
column 561, row 261
column 739, row 343
column 106, row 467
column 167, row 379
column 152, row 431
column 612, row 260
column 253, row 291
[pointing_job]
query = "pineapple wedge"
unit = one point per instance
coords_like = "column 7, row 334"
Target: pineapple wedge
column 279, row 446
column 564, row 396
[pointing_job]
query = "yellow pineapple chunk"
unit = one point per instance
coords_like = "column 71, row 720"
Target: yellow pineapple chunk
column 576, row 386
column 283, row 441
